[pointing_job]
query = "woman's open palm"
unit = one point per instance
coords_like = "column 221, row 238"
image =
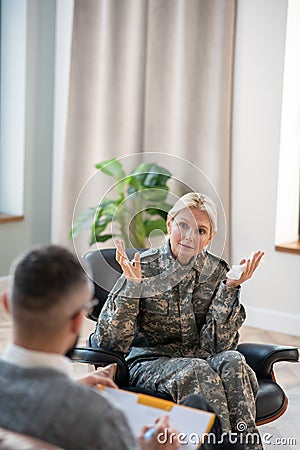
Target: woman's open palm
column 251, row 266
column 131, row 269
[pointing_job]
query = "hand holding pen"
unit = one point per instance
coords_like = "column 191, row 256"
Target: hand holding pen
column 161, row 436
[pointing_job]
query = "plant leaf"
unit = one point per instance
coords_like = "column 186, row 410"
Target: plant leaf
column 158, row 224
column 93, row 238
column 112, row 167
column 103, row 238
column 152, row 175
column 100, row 225
column 155, row 194
column 82, row 222
column 107, row 208
column 161, row 209
column 134, row 184
column 150, row 182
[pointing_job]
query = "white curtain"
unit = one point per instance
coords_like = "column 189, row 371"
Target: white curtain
column 150, row 76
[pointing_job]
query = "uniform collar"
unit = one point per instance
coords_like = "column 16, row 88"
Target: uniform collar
column 202, row 263
column 167, row 255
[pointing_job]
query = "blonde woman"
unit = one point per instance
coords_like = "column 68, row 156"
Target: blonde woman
column 176, row 315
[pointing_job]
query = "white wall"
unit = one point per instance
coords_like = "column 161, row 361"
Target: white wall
column 272, row 297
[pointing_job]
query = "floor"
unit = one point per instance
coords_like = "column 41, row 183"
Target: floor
column 284, row 432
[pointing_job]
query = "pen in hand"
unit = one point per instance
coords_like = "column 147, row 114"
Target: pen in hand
column 159, row 436
column 149, row 433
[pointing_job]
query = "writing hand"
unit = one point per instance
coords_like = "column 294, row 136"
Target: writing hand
column 131, row 269
column 164, row 437
column 251, row 266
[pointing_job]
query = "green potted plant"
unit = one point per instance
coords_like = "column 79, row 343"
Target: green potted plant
column 139, row 209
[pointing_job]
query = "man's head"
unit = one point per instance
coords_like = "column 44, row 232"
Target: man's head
column 48, row 292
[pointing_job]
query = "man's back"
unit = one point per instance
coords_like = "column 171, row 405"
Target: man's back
column 47, row 404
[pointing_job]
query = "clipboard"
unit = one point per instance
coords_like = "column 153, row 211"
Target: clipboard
column 141, row 409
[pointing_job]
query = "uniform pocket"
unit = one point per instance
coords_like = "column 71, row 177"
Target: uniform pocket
column 155, row 306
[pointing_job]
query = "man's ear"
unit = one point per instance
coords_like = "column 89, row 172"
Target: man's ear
column 5, row 304
column 76, row 323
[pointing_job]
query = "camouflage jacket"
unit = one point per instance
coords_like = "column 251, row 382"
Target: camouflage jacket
column 175, row 311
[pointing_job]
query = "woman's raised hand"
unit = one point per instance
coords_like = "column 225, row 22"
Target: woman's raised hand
column 251, row 265
column 131, row 269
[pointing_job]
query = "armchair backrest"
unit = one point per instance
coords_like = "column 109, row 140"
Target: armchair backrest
column 104, row 272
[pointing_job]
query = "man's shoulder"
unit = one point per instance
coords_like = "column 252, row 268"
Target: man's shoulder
column 58, row 392
column 88, row 399
column 59, row 402
column 46, row 380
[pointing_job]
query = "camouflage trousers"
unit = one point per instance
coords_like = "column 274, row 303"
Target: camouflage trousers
column 225, row 380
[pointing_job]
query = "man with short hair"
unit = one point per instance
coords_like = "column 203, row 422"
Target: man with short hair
column 48, row 296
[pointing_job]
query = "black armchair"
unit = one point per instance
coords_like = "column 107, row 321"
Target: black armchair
column 271, row 401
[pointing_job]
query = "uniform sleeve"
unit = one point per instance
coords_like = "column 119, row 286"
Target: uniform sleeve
column 224, row 318
column 117, row 321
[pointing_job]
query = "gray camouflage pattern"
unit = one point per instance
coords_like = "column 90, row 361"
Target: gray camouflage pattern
column 179, row 331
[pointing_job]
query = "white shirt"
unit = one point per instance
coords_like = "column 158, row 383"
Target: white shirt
column 20, row 356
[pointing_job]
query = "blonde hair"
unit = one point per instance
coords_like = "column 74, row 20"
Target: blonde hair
column 198, row 201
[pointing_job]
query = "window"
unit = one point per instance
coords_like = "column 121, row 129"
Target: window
column 12, row 106
column 288, row 198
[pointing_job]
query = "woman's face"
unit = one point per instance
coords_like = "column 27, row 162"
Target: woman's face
column 190, row 232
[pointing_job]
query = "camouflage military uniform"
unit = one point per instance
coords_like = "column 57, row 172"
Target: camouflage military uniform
column 179, row 329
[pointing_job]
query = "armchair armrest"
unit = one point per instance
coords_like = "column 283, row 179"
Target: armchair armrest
column 100, row 357
column 261, row 357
